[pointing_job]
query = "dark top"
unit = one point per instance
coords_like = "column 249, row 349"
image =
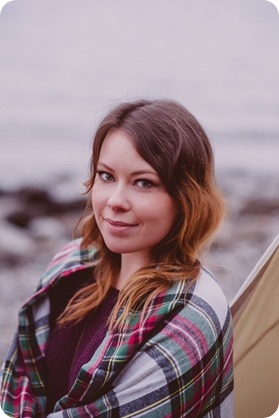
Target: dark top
column 72, row 345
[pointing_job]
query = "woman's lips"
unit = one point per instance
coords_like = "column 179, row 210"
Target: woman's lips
column 118, row 223
column 119, row 227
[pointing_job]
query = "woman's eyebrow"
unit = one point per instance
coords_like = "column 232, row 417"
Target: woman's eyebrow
column 104, row 165
column 134, row 173
column 140, row 172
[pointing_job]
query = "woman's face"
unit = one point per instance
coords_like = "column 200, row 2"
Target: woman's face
column 132, row 208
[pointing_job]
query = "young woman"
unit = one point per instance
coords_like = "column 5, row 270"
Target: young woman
column 126, row 321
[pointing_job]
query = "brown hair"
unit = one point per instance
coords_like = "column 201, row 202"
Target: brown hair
column 172, row 141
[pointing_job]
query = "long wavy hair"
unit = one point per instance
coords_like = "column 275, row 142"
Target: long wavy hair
column 172, row 141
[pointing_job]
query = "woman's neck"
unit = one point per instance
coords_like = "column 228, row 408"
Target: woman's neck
column 130, row 263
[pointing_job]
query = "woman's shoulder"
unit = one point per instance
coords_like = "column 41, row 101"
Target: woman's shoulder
column 203, row 302
column 70, row 258
column 200, row 322
column 208, row 293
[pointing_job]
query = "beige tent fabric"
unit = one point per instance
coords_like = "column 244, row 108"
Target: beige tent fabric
column 255, row 311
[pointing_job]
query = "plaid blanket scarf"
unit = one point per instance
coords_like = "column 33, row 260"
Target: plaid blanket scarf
column 178, row 363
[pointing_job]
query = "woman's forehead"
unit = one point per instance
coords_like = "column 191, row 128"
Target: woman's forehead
column 118, row 150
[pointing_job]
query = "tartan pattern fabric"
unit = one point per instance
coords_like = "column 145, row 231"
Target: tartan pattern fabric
column 177, row 363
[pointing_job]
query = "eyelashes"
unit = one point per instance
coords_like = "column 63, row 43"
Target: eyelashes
column 145, row 184
column 105, row 176
column 142, row 183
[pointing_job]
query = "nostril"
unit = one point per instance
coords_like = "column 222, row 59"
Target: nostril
column 118, row 204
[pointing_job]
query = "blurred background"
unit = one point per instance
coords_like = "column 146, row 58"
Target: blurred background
column 64, row 63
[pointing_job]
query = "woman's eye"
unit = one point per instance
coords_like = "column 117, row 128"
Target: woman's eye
column 105, row 176
column 145, row 184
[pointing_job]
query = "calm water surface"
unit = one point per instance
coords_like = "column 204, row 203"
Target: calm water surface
column 62, row 65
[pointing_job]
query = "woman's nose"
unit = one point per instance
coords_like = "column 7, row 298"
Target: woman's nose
column 118, row 200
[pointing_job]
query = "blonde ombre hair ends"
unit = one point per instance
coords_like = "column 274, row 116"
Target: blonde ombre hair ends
column 172, row 141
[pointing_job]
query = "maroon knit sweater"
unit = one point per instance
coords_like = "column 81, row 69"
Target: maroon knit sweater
column 70, row 346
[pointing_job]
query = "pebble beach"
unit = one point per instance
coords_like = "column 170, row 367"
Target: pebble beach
column 35, row 223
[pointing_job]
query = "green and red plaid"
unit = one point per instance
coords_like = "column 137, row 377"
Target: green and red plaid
column 177, row 363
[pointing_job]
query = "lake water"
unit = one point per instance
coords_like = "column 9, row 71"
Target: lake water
column 63, row 63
